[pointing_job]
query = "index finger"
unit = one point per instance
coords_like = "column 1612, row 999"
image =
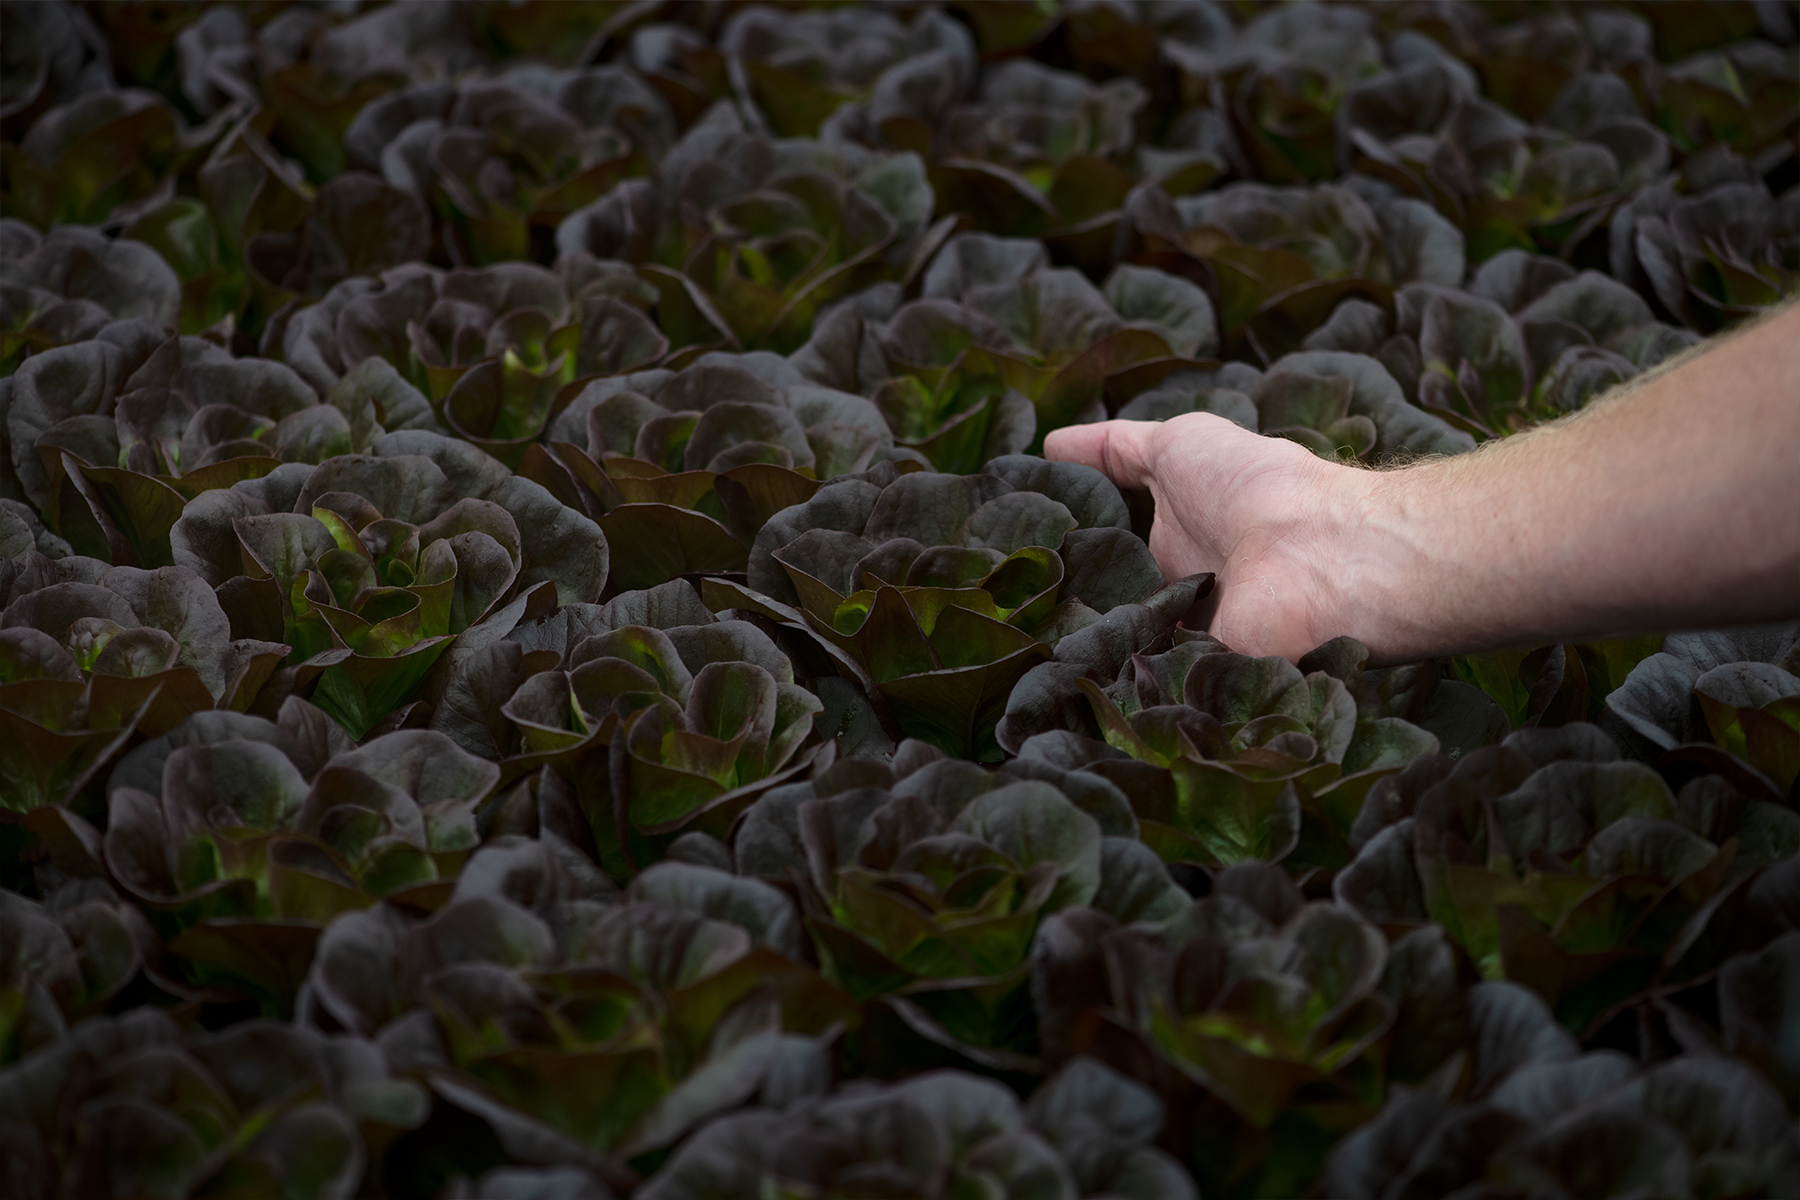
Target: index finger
column 1119, row 449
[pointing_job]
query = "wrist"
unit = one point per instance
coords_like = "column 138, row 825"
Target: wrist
column 1369, row 549
column 1322, row 550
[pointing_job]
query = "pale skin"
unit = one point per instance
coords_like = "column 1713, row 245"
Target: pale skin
column 1672, row 503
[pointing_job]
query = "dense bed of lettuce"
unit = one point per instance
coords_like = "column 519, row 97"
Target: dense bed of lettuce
column 538, row 657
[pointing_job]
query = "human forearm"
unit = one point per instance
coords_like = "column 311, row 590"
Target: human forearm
column 1674, row 505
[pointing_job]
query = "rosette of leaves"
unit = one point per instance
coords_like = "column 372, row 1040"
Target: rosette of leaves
column 370, row 566
column 954, row 422
column 1333, row 397
column 1197, row 150
column 499, row 350
column 1529, row 341
column 1086, row 1132
column 680, row 998
column 669, row 525
column 681, row 63
column 101, row 156
column 1742, row 95
column 1125, row 39
column 1234, row 758
column 431, row 326
column 1549, row 180
column 746, row 237
column 215, row 62
column 1556, row 864
column 130, row 1105
column 1542, row 189
column 242, row 837
column 1756, row 994
column 1038, row 153
column 68, row 286
column 232, row 277
column 1313, row 410
column 548, row 32
column 90, row 654
column 938, row 592
column 1530, row 65
column 724, row 411
column 1710, row 256
column 505, row 159
column 1260, row 1019
column 1282, row 258
column 64, row 959
column 128, row 427
column 1104, row 1123
column 848, row 71
column 1223, row 390
column 142, row 43
column 1728, row 700
column 191, row 406
column 216, row 296
column 1049, row 699
column 1587, row 334
column 682, row 469
column 664, row 720
column 316, row 71
column 1552, row 685
column 301, row 243
column 54, row 54
column 1282, row 80
column 1475, row 368
column 483, row 680
column 1001, row 348
column 923, row 883
column 1392, row 118
column 1681, row 33
column 252, row 233
column 1689, row 1125
column 697, row 760
column 72, row 389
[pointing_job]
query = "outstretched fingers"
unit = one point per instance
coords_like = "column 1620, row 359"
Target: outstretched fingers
column 1120, row 449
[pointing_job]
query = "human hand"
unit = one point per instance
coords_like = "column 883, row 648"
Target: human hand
column 1262, row 513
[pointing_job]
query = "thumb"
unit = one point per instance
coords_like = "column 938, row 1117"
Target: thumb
column 1120, row 449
